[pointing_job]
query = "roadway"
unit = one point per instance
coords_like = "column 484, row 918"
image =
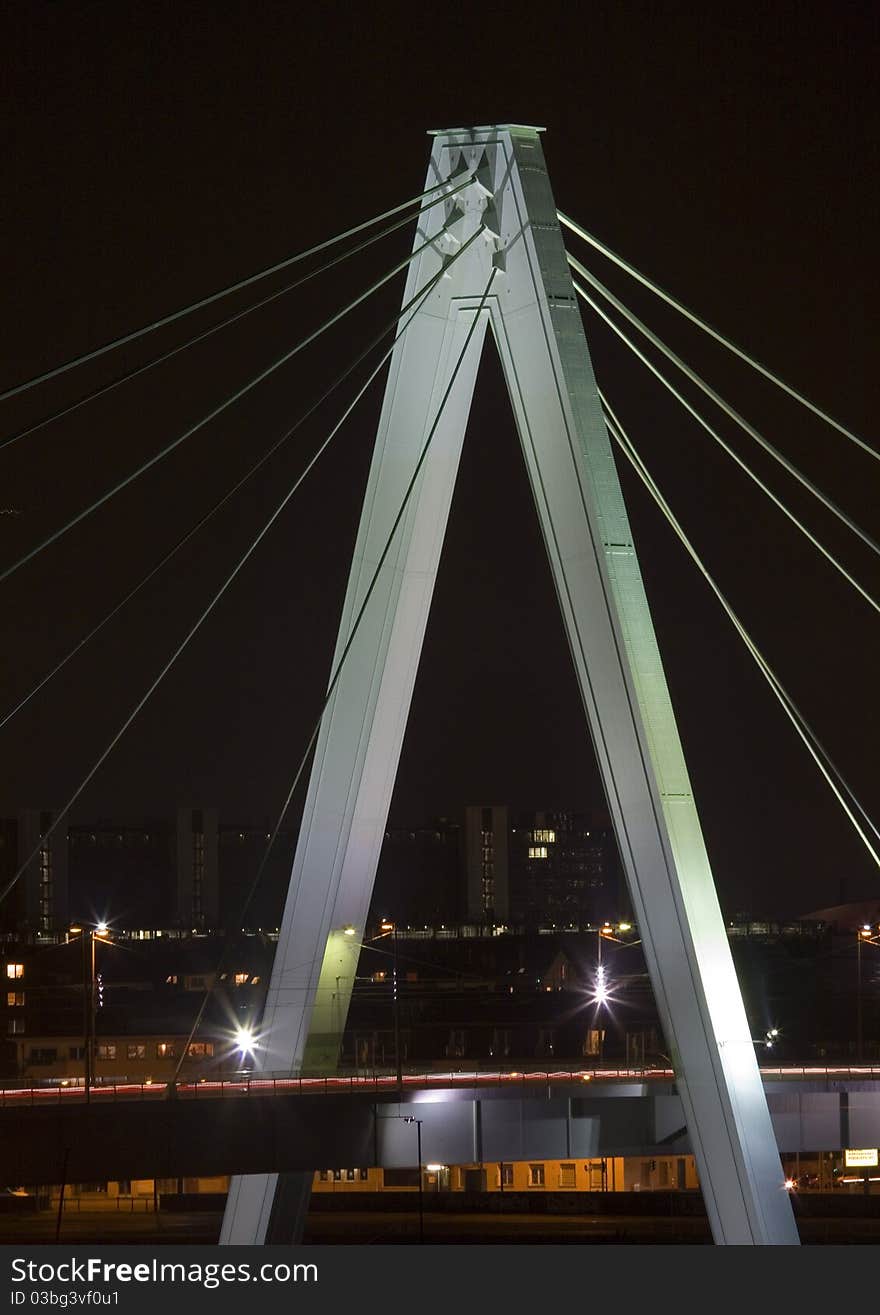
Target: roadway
column 69, row 1091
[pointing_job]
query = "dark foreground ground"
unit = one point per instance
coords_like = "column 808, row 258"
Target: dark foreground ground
column 350, row 1227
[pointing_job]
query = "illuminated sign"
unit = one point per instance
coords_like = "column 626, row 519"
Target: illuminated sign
column 860, row 1159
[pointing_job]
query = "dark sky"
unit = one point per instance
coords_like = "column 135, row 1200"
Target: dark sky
column 155, row 153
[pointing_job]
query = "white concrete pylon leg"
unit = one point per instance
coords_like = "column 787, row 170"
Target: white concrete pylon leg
column 538, row 330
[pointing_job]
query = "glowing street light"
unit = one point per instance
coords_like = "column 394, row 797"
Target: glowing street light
column 87, row 936
column 601, row 992
column 245, row 1040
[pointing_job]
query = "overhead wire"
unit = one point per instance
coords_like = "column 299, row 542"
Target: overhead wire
column 719, row 401
column 166, row 557
column 452, row 187
column 802, row 727
column 731, row 346
column 212, row 415
column 128, row 375
column 731, row 452
column 194, row 628
column 347, row 647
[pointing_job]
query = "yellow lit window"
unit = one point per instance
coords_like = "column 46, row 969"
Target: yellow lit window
column 165, row 1050
column 241, row 978
column 15, row 970
column 547, row 837
column 537, row 851
column 14, row 999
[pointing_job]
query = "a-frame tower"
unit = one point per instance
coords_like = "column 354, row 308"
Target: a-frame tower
column 537, row 328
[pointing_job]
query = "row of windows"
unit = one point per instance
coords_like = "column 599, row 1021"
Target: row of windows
column 113, row 1050
column 193, row 982
column 404, row 1178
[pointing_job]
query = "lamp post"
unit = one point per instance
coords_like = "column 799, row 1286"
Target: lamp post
column 859, row 1044
column 87, row 937
column 408, row 1118
column 865, row 933
column 390, row 929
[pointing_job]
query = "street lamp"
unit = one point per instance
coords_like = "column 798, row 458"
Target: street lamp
column 390, row 929
column 87, row 937
column 865, row 933
column 409, row 1118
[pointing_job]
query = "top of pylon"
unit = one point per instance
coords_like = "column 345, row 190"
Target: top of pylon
column 485, row 127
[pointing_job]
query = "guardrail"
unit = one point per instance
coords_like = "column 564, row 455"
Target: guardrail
column 16, row 1094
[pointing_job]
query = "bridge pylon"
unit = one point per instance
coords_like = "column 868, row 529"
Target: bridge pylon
column 536, row 324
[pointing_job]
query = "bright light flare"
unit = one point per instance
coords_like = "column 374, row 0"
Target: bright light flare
column 601, row 989
column 245, row 1040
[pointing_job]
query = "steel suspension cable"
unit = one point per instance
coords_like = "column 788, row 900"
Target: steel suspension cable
column 334, row 680
column 212, row 415
column 233, row 287
column 215, row 328
column 194, row 628
column 714, row 333
column 725, row 406
column 807, row 735
column 731, row 452
column 418, row 298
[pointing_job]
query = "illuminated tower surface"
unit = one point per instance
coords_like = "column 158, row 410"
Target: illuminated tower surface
column 538, row 331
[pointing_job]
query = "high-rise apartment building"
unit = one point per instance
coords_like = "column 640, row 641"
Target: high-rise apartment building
column 563, row 869
column 486, row 863
column 198, row 886
column 40, row 904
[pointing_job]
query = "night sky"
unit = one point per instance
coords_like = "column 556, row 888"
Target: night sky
column 156, row 153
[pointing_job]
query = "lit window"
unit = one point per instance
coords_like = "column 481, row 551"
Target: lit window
column 537, row 851
column 536, row 1175
column 200, row 1049
column 15, row 970
column 106, row 1050
column 240, row 979
column 171, row 979
column 255, row 981
column 165, row 1050
column 14, row 999
column 136, row 1051
column 545, row 836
